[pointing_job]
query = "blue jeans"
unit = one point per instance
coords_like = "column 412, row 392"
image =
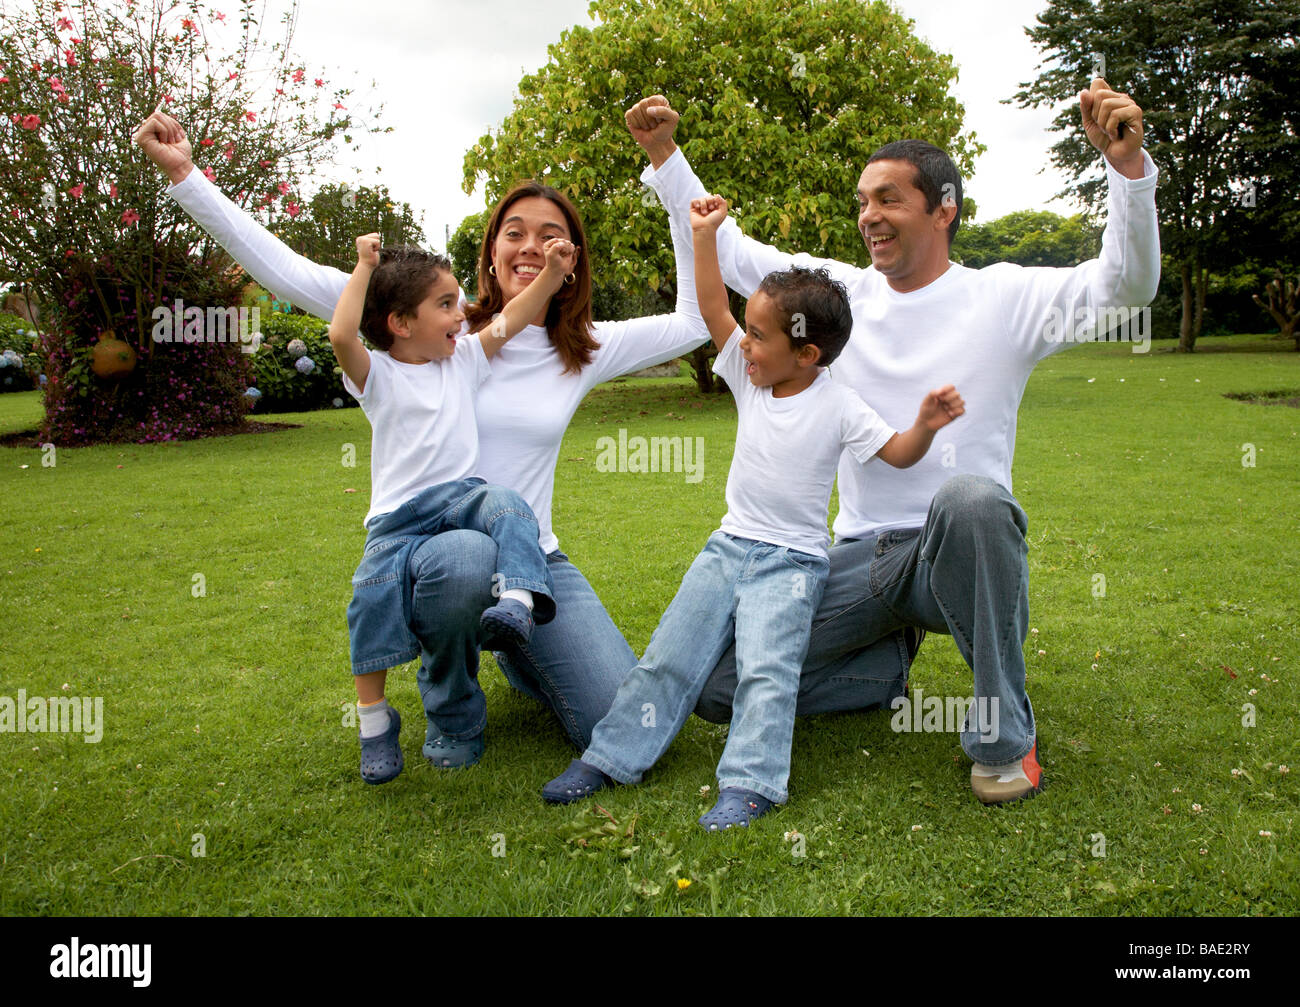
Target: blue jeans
column 760, row 596
column 965, row 573
column 573, row 664
column 381, row 610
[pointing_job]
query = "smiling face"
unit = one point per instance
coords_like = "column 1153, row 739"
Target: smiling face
column 770, row 359
column 430, row 334
column 526, row 225
column 908, row 242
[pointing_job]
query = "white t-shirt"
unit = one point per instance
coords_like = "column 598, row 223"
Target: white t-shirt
column 524, row 408
column 422, row 422
column 779, row 486
column 981, row 330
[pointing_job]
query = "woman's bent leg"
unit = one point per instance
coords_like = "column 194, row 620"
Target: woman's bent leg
column 576, row 662
column 452, row 585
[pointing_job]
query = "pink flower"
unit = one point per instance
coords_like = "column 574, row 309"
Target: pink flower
column 168, row 98
column 64, row 99
column 4, row 80
column 337, row 105
column 265, row 164
column 219, row 16
column 292, row 209
column 64, row 24
column 206, row 142
column 251, row 116
column 112, row 190
column 232, row 76
column 31, row 121
column 284, row 188
column 298, row 75
column 75, row 41
column 189, row 25
column 229, row 151
column 278, row 90
column 130, row 217
column 14, row 212
column 56, row 85
column 77, row 190
column 318, row 82
column 210, row 174
column 70, row 57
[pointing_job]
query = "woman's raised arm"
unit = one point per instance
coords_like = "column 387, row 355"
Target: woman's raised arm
column 288, row 275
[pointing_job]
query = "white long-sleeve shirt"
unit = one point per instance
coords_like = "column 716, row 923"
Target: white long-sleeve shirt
column 526, row 404
column 981, row 330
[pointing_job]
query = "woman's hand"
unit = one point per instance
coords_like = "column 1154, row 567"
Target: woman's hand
column 164, row 142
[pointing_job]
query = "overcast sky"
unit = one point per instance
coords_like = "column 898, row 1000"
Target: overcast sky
column 446, row 73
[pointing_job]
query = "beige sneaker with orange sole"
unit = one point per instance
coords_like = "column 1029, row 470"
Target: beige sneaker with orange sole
column 1005, row 784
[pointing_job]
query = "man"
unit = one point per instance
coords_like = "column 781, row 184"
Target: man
column 940, row 546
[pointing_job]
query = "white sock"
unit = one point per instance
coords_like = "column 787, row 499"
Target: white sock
column 525, row 598
column 374, row 718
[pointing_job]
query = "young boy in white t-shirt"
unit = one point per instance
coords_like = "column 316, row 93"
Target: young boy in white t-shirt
column 417, row 389
column 760, row 577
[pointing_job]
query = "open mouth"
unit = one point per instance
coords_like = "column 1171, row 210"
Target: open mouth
column 527, row 273
column 879, row 242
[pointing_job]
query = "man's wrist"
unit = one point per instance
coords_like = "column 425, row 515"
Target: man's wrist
column 178, row 175
column 660, row 152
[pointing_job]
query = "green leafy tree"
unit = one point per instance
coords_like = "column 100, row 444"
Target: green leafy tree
column 88, row 231
column 463, row 250
column 326, row 228
column 782, row 103
column 1216, row 81
column 1029, row 238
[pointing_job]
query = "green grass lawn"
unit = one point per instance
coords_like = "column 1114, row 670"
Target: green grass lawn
column 224, row 714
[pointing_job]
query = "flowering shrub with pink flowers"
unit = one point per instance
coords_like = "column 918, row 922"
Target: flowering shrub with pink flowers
column 88, row 230
column 20, row 364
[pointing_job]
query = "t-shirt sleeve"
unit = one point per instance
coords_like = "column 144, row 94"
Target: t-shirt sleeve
column 376, row 380
column 472, row 360
column 862, row 431
column 730, row 363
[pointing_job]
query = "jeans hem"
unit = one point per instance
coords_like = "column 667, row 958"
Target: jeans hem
column 384, row 663
column 773, row 795
column 609, row 769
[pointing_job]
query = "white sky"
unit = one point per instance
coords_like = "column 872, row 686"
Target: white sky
column 446, row 73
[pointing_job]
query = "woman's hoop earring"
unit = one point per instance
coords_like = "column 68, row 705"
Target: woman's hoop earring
column 492, row 269
column 571, row 278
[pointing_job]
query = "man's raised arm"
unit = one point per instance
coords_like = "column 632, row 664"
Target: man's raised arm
column 744, row 261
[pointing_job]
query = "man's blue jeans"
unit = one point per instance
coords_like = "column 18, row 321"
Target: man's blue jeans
column 760, row 596
column 381, row 611
column 965, row 573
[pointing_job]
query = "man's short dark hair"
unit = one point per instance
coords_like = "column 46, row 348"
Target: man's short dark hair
column 399, row 283
column 816, row 309
column 934, row 170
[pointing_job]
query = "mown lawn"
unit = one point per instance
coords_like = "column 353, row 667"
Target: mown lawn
column 224, row 714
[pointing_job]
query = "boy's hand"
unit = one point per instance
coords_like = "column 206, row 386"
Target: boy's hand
column 940, row 407
column 708, row 213
column 561, row 256
column 368, row 251
column 164, row 142
column 1113, row 123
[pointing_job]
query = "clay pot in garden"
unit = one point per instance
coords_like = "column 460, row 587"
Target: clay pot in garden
column 112, row 359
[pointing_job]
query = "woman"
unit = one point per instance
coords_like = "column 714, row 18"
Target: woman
column 576, row 662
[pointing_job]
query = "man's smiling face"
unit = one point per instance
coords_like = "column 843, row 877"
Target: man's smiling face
column 903, row 236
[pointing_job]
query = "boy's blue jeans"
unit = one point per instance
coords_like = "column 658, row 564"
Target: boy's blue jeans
column 381, row 611
column 758, row 595
column 965, row 573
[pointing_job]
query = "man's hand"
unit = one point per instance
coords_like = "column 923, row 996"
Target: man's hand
column 652, row 121
column 1113, row 123
column 165, row 144
column 708, row 213
column 940, row 407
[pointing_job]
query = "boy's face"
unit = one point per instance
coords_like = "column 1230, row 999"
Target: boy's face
column 769, row 355
column 431, row 333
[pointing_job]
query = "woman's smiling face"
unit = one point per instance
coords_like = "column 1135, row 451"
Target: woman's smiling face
column 517, row 248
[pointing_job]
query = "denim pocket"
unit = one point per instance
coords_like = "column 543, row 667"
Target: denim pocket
column 378, row 563
column 806, row 562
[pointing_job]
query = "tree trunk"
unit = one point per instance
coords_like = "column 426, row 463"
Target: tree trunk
column 1202, row 281
column 702, row 366
column 1186, row 337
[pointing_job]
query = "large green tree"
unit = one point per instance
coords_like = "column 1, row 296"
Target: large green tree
column 1215, row 79
column 1028, row 238
column 327, row 227
column 782, row 103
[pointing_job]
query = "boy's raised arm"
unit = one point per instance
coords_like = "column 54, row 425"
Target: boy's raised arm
column 349, row 351
column 707, row 215
column 561, row 256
